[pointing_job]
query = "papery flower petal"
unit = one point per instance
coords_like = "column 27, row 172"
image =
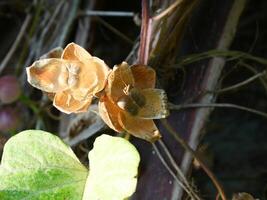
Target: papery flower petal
column 85, row 108
column 49, row 75
column 92, row 74
column 127, row 104
column 156, row 105
column 53, row 53
column 144, row 76
column 86, row 85
column 141, row 128
column 75, row 52
column 102, row 72
column 65, row 102
column 109, row 112
column 118, row 80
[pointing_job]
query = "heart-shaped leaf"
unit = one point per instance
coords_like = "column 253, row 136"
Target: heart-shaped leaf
column 38, row 165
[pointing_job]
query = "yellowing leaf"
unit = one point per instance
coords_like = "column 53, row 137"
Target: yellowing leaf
column 113, row 169
column 37, row 165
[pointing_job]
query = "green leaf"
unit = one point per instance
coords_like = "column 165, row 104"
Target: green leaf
column 113, row 169
column 37, row 165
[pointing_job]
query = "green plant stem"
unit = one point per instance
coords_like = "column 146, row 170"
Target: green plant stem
column 51, row 115
column 217, row 105
column 29, row 103
column 213, row 178
column 32, row 105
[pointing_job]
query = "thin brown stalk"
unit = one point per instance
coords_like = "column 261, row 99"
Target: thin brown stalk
column 217, row 105
column 167, row 10
column 103, row 13
column 69, row 21
column 177, row 168
column 170, row 171
column 84, row 23
column 172, row 161
column 250, row 68
column 241, row 84
column 47, row 27
column 213, row 178
column 16, row 43
column 115, row 31
column 144, row 35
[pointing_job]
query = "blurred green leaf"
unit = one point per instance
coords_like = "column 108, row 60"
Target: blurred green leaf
column 113, row 169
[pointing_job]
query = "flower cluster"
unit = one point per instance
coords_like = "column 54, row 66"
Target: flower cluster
column 128, row 99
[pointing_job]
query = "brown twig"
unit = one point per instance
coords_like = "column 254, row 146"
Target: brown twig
column 46, row 28
column 144, row 35
column 213, row 178
column 167, row 10
column 16, row 43
column 209, row 82
column 69, row 21
column 170, row 171
column 103, row 13
column 177, row 168
column 245, row 82
column 115, row 31
column 251, row 69
column 84, row 24
column 217, row 105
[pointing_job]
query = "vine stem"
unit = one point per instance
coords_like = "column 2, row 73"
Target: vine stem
column 177, row 168
column 145, row 34
column 217, row 105
column 247, row 81
column 181, row 141
column 251, row 69
column 167, row 10
column 170, row 171
column 143, row 57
